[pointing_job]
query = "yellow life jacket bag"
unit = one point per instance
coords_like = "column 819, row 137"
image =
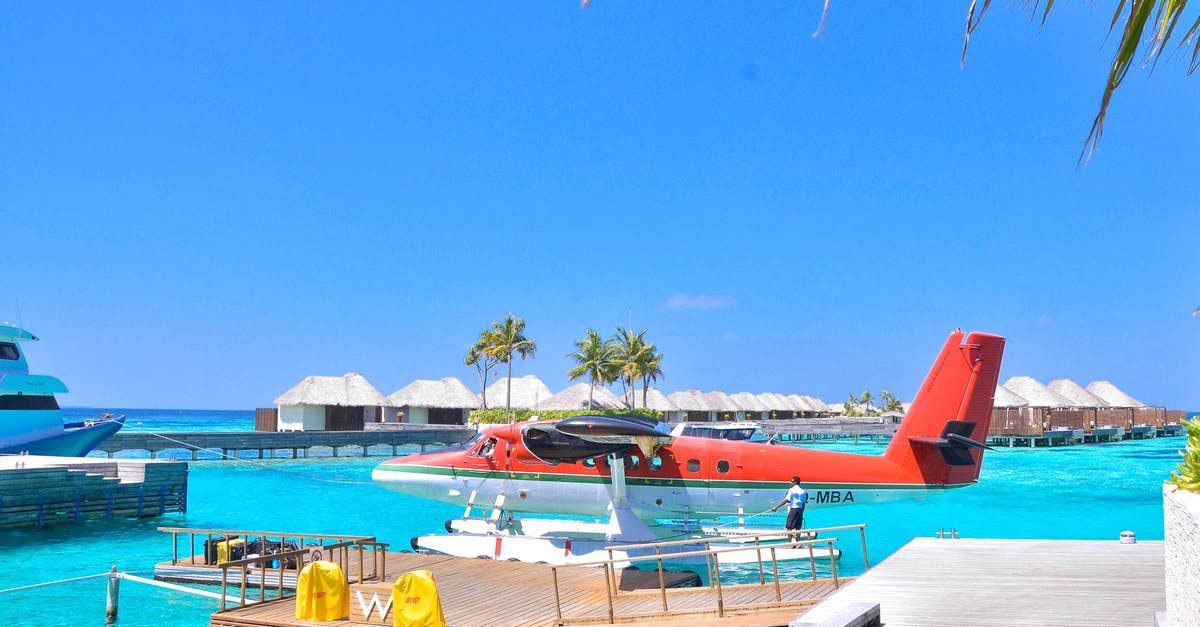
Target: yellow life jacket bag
column 322, row 593
column 415, row 601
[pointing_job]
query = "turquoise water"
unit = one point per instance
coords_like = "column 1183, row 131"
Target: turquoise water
column 1085, row 492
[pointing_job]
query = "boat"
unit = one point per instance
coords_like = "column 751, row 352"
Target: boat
column 728, row 430
column 31, row 421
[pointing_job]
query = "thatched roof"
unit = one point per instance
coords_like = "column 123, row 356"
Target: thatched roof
column 748, row 402
column 720, row 401
column 576, row 397
column 349, row 390
column 802, row 403
column 689, row 400
column 1113, row 396
column 1007, row 398
column 816, row 402
column 655, row 399
column 527, row 392
column 1037, row 394
column 449, row 393
column 1073, row 392
column 777, row 402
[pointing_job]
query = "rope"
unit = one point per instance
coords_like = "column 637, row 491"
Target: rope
column 54, row 583
column 128, row 577
column 251, row 462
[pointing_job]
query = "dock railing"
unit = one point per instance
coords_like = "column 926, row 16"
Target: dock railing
column 369, row 566
column 765, row 552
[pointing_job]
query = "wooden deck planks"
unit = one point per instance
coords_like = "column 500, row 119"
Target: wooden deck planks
column 932, row 582
column 485, row 592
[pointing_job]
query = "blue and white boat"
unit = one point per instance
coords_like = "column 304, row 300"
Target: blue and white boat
column 30, row 419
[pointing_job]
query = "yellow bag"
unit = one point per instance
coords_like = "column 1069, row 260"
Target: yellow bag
column 322, row 593
column 415, row 601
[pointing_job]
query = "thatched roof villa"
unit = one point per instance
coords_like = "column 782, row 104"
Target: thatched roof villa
column 444, row 402
column 527, row 392
column 576, row 397
column 344, row 403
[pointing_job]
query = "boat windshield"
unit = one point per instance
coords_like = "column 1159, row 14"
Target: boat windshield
column 9, row 351
column 721, row 433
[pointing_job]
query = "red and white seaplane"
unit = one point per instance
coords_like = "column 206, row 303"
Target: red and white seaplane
column 643, row 480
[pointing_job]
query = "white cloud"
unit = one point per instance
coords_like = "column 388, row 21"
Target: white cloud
column 699, row 301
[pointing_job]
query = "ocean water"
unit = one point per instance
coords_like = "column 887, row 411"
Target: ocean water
column 1077, row 492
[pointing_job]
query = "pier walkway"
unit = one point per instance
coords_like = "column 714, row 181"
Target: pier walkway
column 38, row 490
column 295, row 443
column 932, row 582
column 484, row 593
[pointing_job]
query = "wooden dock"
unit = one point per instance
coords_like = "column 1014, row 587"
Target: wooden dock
column 37, row 490
column 931, row 582
column 481, row 592
column 230, row 444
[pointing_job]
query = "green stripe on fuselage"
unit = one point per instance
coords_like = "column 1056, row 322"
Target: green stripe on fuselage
column 713, row 484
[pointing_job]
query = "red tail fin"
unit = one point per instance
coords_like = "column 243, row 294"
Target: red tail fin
column 941, row 438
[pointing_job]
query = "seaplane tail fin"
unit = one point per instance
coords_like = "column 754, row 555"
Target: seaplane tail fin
column 942, row 438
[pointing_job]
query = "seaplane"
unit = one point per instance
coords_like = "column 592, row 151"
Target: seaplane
column 629, row 480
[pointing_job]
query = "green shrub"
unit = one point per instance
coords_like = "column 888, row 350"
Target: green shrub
column 1187, row 477
column 496, row 416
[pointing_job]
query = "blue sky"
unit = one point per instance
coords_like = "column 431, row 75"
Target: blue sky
column 203, row 203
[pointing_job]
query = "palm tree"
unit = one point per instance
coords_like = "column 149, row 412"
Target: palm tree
column 483, row 363
column 890, row 402
column 627, row 351
column 594, row 357
column 865, row 400
column 649, row 368
column 1138, row 24
column 504, row 339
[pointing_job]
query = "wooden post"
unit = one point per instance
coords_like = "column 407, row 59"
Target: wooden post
column 113, row 598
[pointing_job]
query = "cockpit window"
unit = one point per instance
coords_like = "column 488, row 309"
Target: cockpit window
column 485, row 449
column 9, row 351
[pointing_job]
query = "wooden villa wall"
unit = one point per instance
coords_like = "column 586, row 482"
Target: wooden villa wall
column 1115, row 416
column 1071, row 418
column 266, row 419
column 1017, row 420
column 1150, row 416
column 1176, row 416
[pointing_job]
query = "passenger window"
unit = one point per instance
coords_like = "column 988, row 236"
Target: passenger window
column 722, row 466
column 632, row 462
column 589, row 463
column 8, row 351
column 693, row 465
column 656, row 464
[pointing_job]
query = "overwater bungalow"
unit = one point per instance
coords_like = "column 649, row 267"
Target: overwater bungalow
column 655, row 399
column 527, row 392
column 575, row 397
column 444, row 402
column 752, row 408
column 344, row 403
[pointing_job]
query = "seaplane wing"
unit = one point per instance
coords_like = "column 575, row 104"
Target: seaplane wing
column 648, row 435
column 591, row 465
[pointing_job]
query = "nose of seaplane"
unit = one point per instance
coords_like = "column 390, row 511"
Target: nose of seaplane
column 421, row 474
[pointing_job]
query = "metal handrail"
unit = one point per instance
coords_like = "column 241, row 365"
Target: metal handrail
column 609, row 566
column 861, row 527
column 338, row 551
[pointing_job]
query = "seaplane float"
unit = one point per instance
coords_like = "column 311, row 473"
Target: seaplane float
column 588, row 485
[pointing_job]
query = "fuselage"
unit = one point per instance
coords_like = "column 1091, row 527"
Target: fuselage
column 691, row 477
column 564, row 468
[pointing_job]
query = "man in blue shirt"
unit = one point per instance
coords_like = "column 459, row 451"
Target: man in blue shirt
column 796, row 498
